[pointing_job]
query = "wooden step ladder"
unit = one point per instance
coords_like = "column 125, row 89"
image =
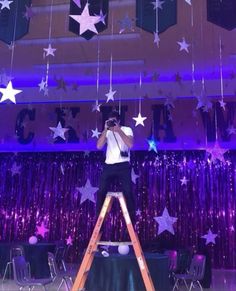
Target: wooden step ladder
column 95, row 241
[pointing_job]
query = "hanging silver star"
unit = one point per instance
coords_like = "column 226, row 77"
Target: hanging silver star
column 15, row 169
column 183, row 45
column 59, row 131
column 49, row 51
column 139, row 119
column 217, row 153
column 28, row 14
column 102, row 17
column 222, row 103
column 156, row 38
column 110, row 95
column 86, row 21
column 158, row 4
column 9, row 93
column 95, row 133
column 96, row 107
column 42, row 85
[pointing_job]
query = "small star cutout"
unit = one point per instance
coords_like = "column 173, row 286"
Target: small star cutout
column 134, row 177
column 87, row 192
column 96, row 107
column 41, row 229
column 69, row 241
column 152, row 145
column 158, row 4
column 231, row 130
column 183, row 181
column 222, row 103
column 165, row 222
column 5, row 4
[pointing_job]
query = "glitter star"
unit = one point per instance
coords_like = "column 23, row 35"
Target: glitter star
column 139, row 119
column 87, row 192
column 110, row 95
column 183, row 181
column 102, row 17
column 41, row 229
column 96, row 107
column 15, row 169
column 5, row 4
column 209, row 237
column 50, row 51
column 217, row 153
column 59, row 131
column 231, row 130
column 69, row 241
column 152, row 145
column 183, row 45
column 165, row 222
column 42, row 85
column 86, row 21
column 95, row 133
column 9, row 93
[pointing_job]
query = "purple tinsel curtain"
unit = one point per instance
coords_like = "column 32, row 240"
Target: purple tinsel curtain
column 38, row 187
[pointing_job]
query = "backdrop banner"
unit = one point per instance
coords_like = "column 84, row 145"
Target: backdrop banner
column 222, row 13
column 146, row 15
column 99, row 8
column 14, row 22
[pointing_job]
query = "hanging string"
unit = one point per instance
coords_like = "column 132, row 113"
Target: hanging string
column 13, row 40
column 216, row 125
column 157, row 24
column 49, row 41
column 193, row 64
column 140, row 86
column 221, row 71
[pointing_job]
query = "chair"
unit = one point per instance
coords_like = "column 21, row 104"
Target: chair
column 14, row 252
column 172, row 262
column 195, row 274
column 60, row 254
column 65, row 275
column 22, row 276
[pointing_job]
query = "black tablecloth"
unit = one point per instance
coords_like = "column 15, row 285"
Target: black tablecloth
column 121, row 273
column 36, row 255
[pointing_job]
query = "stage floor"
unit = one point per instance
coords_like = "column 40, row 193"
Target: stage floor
column 223, row 280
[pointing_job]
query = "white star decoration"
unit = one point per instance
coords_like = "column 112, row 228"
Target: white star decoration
column 188, row 2
column 50, row 51
column 87, row 192
column 158, row 4
column 110, row 95
column 9, row 93
column 165, row 222
column 86, row 21
column 183, row 45
column 134, row 177
column 59, row 131
column 209, row 237
column 217, row 153
column 139, row 119
column 95, row 133
column 41, row 229
column 138, row 212
column 204, row 102
column 183, row 181
column 102, row 17
column 5, row 4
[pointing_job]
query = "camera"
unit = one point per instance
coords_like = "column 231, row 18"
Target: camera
column 124, row 154
column 111, row 123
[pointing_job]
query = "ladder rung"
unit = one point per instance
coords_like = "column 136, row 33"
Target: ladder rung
column 114, row 243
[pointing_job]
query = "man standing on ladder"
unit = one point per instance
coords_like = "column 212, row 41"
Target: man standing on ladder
column 119, row 141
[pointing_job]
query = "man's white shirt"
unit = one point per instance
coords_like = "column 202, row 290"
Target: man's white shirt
column 113, row 151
